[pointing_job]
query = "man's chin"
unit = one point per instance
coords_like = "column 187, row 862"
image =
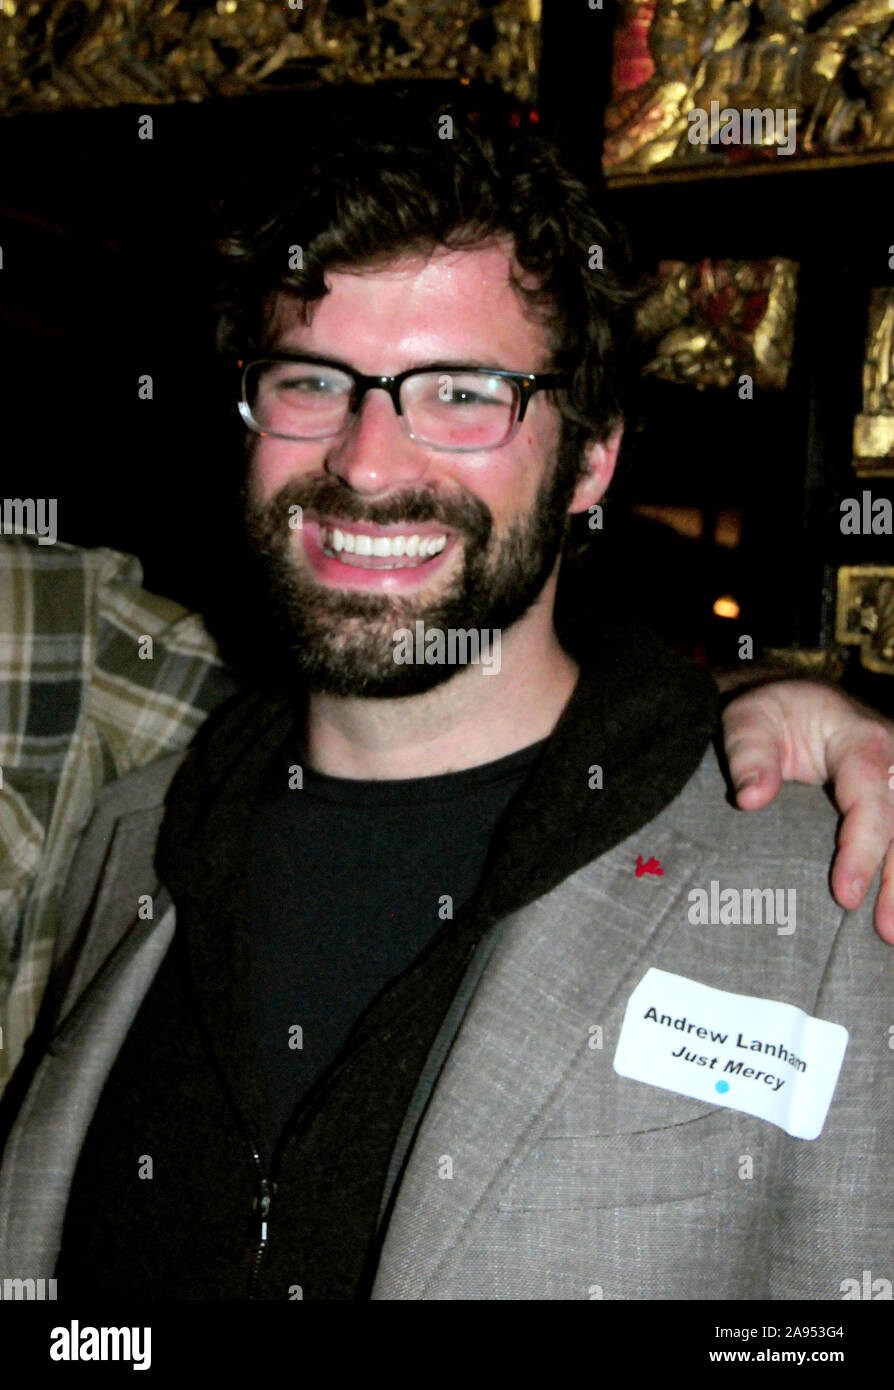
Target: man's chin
column 356, row 674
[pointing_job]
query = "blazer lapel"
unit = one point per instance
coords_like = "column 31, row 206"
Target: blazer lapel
column 43, row 1147
column 557, row 969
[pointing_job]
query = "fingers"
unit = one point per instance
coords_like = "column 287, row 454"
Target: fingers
column 884, row 907
column 860, row 767
column 865, row 839
column 754, row 750
column 756, row 789
column 851, row 873
column 799, row 731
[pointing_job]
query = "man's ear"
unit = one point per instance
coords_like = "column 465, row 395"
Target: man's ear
column 600, row 458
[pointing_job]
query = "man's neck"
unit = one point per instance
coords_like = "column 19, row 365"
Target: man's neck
column 468, row 720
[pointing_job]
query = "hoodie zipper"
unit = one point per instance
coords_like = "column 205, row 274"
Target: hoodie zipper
column 262, row 1204
column 266, row 1187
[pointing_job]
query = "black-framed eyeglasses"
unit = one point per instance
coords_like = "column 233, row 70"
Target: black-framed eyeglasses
column 455, row 408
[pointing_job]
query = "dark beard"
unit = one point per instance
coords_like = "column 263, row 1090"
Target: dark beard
column 343, row 642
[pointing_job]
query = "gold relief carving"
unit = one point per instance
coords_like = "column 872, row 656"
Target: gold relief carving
column 865, row 614
column 88, row 53
column 715, row 321
column 820, row 663
column 874, row 426
column 833, row 64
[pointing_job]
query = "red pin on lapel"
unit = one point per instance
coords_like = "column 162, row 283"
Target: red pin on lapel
column 651, row 866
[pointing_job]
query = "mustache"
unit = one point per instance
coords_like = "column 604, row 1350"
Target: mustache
column 329, row 497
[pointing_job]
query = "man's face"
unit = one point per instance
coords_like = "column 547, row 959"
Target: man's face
column 500, row 512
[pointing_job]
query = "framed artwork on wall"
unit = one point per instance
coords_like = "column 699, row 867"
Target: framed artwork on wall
column 706, row 85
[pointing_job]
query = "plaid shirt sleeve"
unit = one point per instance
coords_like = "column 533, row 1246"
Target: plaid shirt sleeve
column 97, row 677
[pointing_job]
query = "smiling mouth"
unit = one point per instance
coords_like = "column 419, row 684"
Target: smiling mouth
column 404, row 550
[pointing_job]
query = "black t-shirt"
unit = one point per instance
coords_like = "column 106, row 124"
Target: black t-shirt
column 348, row 881
column 344, row 882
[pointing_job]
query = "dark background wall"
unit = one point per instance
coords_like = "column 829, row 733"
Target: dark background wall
column 101, row 284
column 782, row 459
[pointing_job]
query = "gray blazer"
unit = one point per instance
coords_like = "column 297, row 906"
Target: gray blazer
column 527, row 1167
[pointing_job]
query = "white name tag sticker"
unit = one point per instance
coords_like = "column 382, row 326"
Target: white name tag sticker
column 756, row 1055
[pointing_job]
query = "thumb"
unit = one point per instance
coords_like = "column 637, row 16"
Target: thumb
column 753, row 745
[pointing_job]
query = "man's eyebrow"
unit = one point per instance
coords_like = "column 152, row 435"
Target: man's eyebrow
column 300, row 354
column 436, row 364
column 458, row 364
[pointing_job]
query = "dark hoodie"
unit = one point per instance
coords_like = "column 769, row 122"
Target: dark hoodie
column 184, row 1090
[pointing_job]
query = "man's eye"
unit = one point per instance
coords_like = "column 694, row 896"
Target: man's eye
column 462, row 397
column 472, row 394
column 309, row 385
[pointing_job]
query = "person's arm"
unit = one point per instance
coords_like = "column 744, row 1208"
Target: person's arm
column 804, row 731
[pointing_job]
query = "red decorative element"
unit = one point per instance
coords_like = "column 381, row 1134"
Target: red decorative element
column 632, row 63
column 754, row 309
column 719, row 303
column 652, row 866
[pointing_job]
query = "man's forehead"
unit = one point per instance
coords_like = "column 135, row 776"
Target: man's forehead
column 460, row 280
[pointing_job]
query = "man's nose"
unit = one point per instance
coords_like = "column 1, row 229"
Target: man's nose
column 375, row 453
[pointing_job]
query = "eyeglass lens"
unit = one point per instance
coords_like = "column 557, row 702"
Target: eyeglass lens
column 460, row 410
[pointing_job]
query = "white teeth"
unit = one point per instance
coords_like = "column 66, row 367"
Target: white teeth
column 336, row 541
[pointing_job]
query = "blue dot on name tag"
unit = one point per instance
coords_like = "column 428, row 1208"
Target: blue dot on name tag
column 722, row 1087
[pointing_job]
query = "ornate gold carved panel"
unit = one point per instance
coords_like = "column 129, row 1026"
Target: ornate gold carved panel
column 87, row 53
column 874, row 426
column 865, row 614
column 713, row 321
column 830, row 63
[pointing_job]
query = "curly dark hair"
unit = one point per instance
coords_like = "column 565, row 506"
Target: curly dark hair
column 392, row 171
